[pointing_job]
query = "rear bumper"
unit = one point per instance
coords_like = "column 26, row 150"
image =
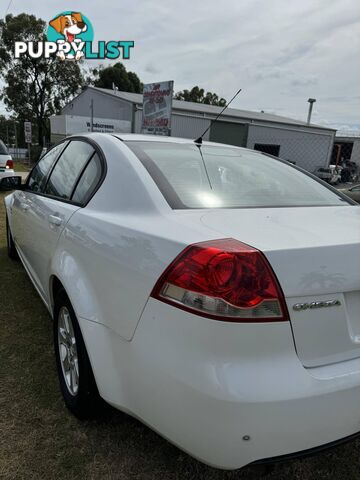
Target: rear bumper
column 308, row 453
column 228, row 394
column 6, row 172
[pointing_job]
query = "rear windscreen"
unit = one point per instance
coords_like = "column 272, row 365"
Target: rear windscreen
column 223, row 177
column 3, row 149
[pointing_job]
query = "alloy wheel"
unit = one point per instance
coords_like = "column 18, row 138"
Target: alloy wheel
column 68, row 351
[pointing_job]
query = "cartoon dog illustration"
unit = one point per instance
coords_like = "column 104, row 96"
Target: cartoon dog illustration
column 69, row 26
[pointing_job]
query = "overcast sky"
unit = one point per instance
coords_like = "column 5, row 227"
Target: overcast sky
column 280, row 52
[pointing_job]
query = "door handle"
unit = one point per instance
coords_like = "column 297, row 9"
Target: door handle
column 54, row 220
column 25, row 206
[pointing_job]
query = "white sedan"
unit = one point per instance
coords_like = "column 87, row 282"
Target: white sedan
column 6, row 162
column 211, row 291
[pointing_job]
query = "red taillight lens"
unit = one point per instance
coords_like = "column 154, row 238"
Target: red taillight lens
column 223, row 279
column 9, row 164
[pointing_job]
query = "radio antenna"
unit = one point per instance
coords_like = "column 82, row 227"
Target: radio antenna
column 199, row 140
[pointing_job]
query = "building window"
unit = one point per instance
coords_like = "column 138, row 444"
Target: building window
column 268, row 148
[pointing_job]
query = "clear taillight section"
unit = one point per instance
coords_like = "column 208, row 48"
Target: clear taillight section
column 9, row 164
column 225, row 280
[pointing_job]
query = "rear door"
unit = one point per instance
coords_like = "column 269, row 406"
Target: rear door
column 48, row 211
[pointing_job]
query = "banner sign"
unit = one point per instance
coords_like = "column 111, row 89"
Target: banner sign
column 76, row 124
column 157, row 108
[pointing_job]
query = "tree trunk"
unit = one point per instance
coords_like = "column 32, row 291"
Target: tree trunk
column 40, row 132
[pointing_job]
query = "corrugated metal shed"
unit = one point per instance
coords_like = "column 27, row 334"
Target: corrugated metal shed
column 211, row 110
column 309, row 146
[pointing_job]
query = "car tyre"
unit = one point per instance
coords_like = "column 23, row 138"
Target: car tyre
column 11, row 249
column 77, row 382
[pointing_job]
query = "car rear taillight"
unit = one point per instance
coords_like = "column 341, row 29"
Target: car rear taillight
column 225, row 280
column 9, row 164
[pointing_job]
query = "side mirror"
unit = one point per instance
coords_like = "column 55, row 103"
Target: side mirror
column 11, row 183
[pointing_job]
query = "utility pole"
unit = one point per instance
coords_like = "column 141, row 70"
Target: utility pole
column 16, row 142
column 92, row 115
column 28, row 137
column 133, row 117
column 311, row 103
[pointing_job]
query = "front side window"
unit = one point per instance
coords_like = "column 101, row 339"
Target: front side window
column 190, row 176
column 68, row 169
column 39, row 173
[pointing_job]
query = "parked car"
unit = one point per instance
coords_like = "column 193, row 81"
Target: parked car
column 6, row 162
column 330, row 174
column 324, row 173
column 352, row 192
column 211, row 291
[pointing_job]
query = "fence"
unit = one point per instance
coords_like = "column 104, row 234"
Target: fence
column 306, row 147
column 18, row 153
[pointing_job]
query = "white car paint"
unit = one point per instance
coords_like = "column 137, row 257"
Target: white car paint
column 304, row 251
column 5, row 171
column 227, row 393
column 4, row 157
column 9, row 172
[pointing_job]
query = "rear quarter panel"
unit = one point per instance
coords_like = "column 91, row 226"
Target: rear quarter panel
column 109, row 263
column 4, row 159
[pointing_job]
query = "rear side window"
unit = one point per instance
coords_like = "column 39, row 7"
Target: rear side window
column 3, row 149
column 38, row 176
column 68, row 169
column 88, row 181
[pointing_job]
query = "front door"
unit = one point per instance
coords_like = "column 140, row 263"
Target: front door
column 46, row 206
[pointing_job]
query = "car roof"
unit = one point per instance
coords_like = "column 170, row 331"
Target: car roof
column 164, row 139
column 135, row 137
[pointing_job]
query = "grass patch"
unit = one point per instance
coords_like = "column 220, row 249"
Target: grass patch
column 40, row 439
column 22, row 166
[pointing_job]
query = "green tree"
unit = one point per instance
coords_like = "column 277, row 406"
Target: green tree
column 6, row 130
column 198, row 95
column 12, row 132
column 117, row 76
column 34, row 88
